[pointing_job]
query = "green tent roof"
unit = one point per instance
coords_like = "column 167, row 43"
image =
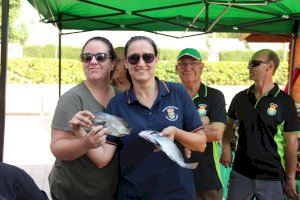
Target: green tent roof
column 252, row 16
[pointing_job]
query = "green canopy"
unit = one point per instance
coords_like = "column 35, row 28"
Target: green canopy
column 204, row 16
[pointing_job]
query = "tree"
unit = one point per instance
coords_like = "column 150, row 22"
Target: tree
column 16, row 32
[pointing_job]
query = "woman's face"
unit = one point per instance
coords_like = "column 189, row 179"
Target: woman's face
column 98, row 63
column 141, row 61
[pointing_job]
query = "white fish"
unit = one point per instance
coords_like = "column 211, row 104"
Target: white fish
column 116, row 126
column 168, row 147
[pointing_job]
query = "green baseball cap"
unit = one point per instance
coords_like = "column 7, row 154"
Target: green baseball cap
column 189, row 52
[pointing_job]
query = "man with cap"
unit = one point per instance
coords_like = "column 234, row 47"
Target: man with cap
column 210, row 103
column 266, row 157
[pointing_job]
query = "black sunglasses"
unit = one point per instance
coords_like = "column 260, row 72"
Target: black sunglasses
column 100, row 57
column 135, row 58
column 255, row 63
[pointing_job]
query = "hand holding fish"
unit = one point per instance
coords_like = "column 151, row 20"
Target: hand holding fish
column 82, row 118
column 169, row 132
column 95, row 137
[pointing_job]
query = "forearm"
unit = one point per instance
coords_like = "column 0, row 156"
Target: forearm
column 291, row 158
column 69, row 148
column 195, row 141
column 102, row 155
column 214, row 131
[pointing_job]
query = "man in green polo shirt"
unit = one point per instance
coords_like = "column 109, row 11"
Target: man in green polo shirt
column 265, row 160
column 210, row 103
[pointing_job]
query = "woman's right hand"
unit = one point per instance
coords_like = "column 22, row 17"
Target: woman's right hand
column 82, row 118
column 95, row 137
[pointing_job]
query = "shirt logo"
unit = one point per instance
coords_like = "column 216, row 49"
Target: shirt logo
column 272, row 109
column 202, row 109
column 171, row 113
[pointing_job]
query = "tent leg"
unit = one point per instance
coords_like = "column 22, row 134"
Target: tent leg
column 59, row 63
column 4, row 42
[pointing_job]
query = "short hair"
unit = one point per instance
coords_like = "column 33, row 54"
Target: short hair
column 271, row 55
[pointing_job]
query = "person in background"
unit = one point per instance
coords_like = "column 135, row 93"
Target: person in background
column 210, row 104
column 266, row 156
column 119, row 77
column 75, row 173
column 16, row 184
column 152, row 104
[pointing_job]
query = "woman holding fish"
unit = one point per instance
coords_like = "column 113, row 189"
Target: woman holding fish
column 76, row 173
column 145, row 172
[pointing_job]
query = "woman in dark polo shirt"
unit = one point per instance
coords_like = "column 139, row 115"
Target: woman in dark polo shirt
column 152, row 104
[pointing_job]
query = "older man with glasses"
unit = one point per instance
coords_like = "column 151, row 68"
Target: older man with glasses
column 210, row 103
column 265, row 160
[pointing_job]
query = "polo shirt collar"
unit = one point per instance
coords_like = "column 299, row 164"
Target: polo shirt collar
column 163, row 90
column 202, row 91
column 273, row 92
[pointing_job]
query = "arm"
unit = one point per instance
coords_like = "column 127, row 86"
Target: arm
column 195, row 141
column 226, row 156
column 67, row 146
column 214, row 131
column 291, row 163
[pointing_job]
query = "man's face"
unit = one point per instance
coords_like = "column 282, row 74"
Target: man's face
column 259, row 66
column 189, row 69
column 119, row 77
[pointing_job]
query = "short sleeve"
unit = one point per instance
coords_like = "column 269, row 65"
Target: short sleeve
column 290, row 116
column 232, row 108
column 190, row 116
column 218, row 111
column 110, row 110
column 68, row 105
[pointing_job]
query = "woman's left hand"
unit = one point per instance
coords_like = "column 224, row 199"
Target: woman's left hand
column 169, row 132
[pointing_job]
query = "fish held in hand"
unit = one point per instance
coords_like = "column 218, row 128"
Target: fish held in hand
column 117, row 126
column 168, row 147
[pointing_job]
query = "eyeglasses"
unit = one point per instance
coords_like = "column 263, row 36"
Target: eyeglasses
column 183, row 65
column 88, row 57
column 135, row 58
column 255, row 63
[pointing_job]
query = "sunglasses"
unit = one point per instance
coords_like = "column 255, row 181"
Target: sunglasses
column 100, row 57
column 184, row 65
column 135, row 58
column 255, row 63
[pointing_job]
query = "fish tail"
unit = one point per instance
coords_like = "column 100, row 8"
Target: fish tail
column 191, row 165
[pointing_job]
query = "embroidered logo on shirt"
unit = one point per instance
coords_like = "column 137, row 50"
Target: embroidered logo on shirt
column 202, row 109
column 171, row 113
column 272, row 109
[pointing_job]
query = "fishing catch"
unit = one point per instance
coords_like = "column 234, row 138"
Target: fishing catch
column 117, row 126
column 168, row 147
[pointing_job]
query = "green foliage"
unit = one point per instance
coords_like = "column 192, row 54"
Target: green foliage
column 16, row 32
column 45, row 70
column 243, row 56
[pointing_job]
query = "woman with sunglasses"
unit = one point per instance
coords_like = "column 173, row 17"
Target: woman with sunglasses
column 76, row 173
column 152, row 104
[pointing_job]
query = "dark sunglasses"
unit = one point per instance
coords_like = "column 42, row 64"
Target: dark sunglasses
column 255, row 63
column 87, row 57
column 135, row 58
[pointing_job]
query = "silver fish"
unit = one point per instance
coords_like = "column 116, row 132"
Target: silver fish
column 168, row 147
column 116, row 126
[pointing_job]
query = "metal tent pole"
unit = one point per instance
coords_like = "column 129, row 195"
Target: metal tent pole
column 59, row 62
column 4, row 42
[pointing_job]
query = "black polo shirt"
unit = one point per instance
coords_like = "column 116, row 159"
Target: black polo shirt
column 262, row 123
column 209, row 102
